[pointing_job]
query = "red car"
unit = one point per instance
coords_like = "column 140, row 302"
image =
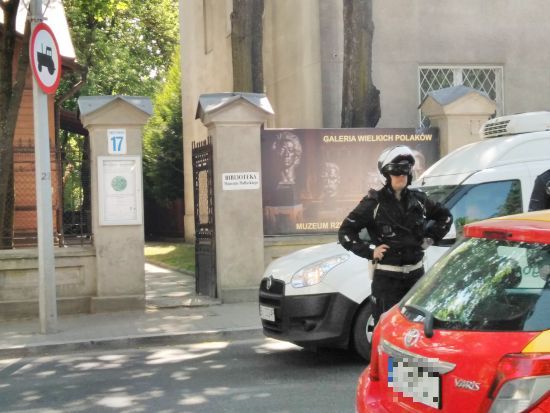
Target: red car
column 473, row 335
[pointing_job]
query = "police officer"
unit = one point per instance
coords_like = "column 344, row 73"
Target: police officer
column 396, row 218
column 540, row 197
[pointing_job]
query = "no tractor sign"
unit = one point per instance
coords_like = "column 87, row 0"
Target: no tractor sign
column 45, row 58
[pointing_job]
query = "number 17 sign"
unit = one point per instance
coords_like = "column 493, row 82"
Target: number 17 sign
column 116, row 141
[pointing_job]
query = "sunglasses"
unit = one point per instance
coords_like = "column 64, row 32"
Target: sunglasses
column 398, row 169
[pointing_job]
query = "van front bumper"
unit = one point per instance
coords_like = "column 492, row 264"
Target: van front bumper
column 322, row 320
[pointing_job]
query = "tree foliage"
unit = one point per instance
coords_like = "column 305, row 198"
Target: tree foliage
column 163, row 141
column 125, row 44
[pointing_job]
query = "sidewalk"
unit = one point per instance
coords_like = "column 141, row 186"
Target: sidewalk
column 174, row 314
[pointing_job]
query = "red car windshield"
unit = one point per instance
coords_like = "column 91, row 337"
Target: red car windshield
column 486, row 285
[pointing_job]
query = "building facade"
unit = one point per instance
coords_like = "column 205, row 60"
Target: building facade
column 418, row 47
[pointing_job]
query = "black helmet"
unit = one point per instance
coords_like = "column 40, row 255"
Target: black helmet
column 396, row 160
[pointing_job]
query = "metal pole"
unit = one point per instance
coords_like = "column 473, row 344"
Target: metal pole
column 46, row 263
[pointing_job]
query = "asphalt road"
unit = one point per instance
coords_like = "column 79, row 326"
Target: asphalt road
column 254, row 375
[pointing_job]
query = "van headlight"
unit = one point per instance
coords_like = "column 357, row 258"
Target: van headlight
column 313, row 274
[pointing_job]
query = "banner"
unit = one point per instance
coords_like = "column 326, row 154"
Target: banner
column 312, row 178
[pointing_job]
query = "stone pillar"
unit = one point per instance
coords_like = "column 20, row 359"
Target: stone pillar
column 458, row 112
column 234, row 122
column 115, row 125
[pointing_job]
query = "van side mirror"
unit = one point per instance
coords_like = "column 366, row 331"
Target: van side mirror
column 364, row 235
column 450, row 238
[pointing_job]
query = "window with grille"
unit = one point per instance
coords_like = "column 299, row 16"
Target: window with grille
column 487, row 79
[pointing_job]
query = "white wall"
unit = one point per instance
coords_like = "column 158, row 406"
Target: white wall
column 505, row 33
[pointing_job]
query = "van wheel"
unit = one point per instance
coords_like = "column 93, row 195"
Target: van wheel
column 363, row 329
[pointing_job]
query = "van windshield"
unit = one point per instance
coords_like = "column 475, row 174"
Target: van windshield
column 474, row 202
column 487, row 285
column 438, row 193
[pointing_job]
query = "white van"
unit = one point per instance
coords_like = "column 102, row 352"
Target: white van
column 319, row 296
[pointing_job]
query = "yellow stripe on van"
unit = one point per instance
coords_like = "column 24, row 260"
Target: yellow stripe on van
column 540, row 344
column 543, row 215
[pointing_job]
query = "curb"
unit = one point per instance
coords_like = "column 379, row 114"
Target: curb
column 191, row 337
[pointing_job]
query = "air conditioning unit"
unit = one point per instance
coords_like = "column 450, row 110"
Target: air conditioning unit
column 516, row 124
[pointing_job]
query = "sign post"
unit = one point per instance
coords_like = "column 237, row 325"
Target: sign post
column 45, row 61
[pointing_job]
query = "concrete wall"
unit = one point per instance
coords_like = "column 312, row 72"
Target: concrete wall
column 292, row 63
column 208, row 68
column 75, row 270
column 332, row 59
column 303, row 45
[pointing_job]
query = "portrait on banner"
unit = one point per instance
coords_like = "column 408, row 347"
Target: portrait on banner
column 311, row 178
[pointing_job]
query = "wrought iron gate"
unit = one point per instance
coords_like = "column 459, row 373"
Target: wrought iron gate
column 205, row 234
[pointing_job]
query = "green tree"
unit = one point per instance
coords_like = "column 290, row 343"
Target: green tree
column 163, row 141
column 11, row 91
column 512, row 204
column 125, row 44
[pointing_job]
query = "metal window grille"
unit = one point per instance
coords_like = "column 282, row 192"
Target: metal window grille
column 487, row 79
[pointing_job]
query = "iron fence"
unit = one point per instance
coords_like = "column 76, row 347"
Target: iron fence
column 76, row 222
column 71, row 195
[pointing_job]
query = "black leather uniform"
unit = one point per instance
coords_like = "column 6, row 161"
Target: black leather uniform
column 540, row 197
column 402, row 226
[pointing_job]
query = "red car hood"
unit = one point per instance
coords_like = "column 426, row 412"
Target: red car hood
column 466, row 361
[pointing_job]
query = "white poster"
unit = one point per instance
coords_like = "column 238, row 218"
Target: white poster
column 120, row 198
column 240, row 180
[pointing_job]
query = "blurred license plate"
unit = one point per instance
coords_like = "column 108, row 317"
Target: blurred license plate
column 418, row 382
column 267, row 313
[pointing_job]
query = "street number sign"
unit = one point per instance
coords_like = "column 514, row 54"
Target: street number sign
column 116, row 141
column 45, row 58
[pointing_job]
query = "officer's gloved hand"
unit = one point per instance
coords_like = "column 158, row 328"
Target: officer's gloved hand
column 361, row 249
column 426, row 243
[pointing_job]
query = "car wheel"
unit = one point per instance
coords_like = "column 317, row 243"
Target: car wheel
column 363, row 329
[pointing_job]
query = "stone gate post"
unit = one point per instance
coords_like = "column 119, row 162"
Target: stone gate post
column 115, row 125
column 458, row 112
column 234, row 122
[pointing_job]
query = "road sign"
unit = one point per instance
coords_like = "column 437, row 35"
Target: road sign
column 45, row 58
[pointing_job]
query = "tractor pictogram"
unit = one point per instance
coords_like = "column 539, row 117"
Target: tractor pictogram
column 46, row 59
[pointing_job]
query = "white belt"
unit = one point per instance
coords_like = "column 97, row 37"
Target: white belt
column 400, row 268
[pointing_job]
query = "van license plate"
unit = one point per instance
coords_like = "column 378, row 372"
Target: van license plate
column 267, row 313
column 420, row 383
